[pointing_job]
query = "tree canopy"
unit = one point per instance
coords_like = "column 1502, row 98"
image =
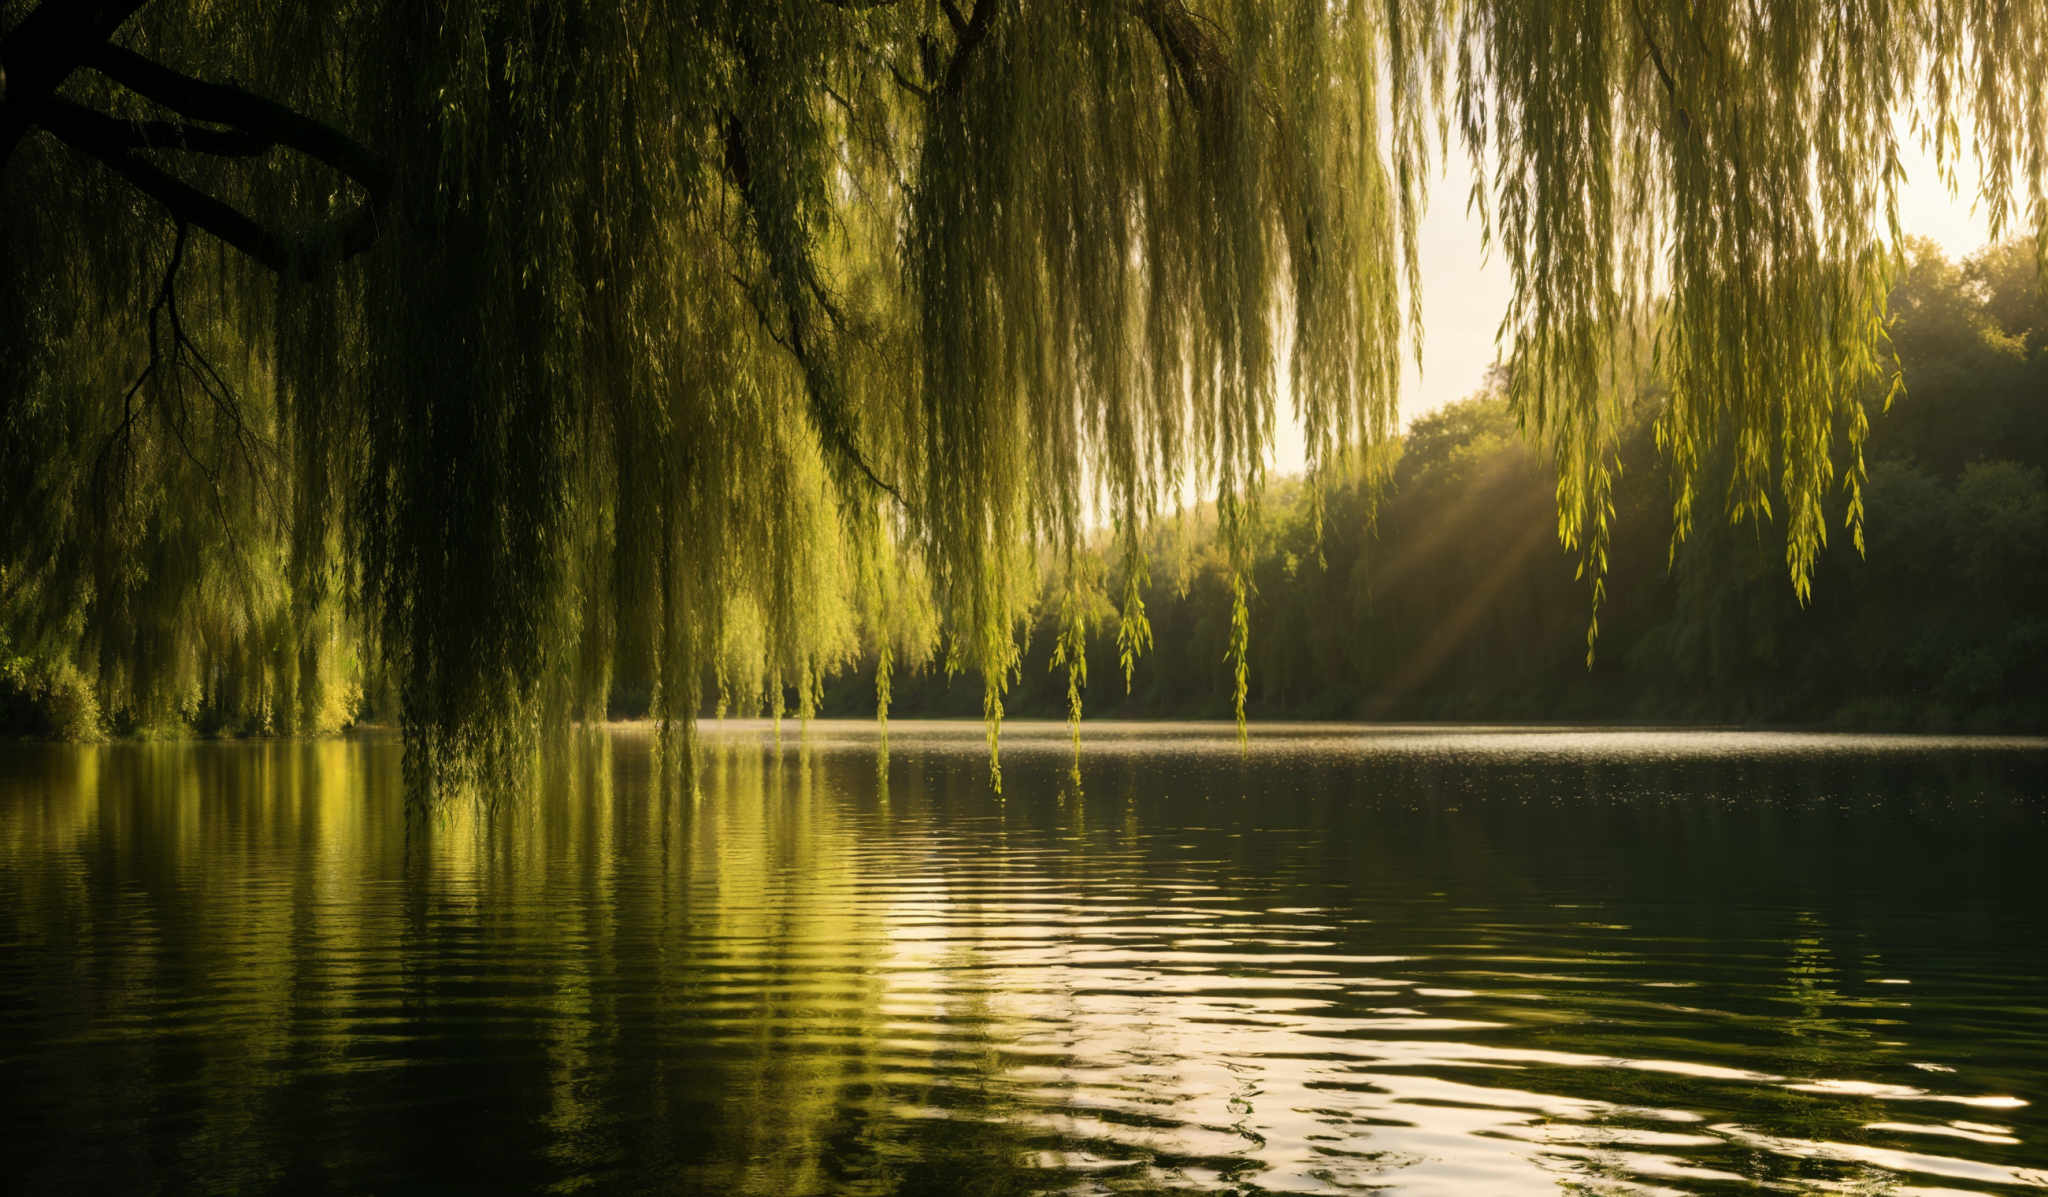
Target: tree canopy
column 492, row 346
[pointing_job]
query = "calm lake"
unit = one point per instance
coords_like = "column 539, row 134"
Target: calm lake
column 1343, row 959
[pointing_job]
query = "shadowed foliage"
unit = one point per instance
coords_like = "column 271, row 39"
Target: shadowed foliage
column 479, row 354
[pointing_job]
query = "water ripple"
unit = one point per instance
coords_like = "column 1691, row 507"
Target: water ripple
column 1342, row 960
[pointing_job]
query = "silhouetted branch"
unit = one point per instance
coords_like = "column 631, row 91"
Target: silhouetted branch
column 1196, row 59
column 158, row 135
column 973, row 31
column 906, row 83
column 226, row 104
column 40, row 53
column 101, row 138
column 163, row 376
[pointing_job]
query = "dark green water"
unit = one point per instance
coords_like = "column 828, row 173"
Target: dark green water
column 1445, row 961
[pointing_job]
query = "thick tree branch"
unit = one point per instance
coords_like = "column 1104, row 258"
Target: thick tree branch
column 160, row 135
column 954, row 15
column 1193, row 54
column 41, row 52
column 103, row 138
column 226, row 104
column 973, row 31
column 255, row 126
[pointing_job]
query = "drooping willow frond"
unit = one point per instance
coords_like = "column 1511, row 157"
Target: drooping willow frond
column 587, row 342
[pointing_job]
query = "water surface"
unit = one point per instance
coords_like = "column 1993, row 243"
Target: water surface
column 1417, row 960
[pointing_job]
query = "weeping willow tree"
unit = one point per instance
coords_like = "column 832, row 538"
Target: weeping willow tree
column 492, row 346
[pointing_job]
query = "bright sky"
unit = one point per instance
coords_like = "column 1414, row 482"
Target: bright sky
column 1464, row 294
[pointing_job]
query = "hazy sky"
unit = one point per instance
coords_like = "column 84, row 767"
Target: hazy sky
column 1464, row 294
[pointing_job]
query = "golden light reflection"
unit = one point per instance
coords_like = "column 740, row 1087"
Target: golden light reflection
column 793, row 981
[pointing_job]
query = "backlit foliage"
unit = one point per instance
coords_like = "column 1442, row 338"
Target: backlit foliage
column 708, row 342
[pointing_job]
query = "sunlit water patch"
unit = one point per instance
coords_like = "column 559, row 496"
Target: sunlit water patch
column 1409, row 959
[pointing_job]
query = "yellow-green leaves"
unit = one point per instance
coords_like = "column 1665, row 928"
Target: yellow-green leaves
column 683, row 321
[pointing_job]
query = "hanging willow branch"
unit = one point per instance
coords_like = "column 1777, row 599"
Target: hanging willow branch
column 626, row 344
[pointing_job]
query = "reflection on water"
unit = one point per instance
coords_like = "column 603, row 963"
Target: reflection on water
column 1431, row 960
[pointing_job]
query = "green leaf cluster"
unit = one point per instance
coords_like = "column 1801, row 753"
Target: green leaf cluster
column 657, row 330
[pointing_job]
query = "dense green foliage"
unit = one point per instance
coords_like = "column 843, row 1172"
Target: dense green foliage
column 1457, row 604
column 489, row 355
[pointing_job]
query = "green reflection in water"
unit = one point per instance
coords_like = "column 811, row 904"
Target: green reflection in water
column 1446, row 962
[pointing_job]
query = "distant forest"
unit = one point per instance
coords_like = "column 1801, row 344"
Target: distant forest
column 1456, row 602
